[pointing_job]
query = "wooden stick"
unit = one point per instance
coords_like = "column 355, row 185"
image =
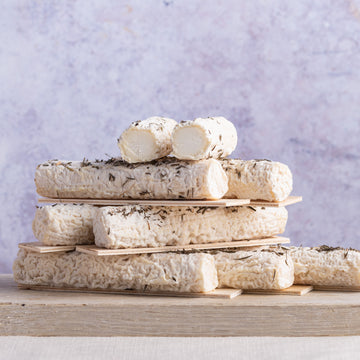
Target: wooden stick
column 107, row 202
column 217, row 293
column 289, row 201
column 41, row 248
column 292, row 290
column 336, row 288
column 94, row 250
column 211, row 203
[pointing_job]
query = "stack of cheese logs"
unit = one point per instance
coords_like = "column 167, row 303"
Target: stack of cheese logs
column 196, row 170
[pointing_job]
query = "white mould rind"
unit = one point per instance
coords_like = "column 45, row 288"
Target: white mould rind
column 257, row 179
column 260, row 269
column 154, row 272
column 116, row 179
column 64, row 224
column 331, row 267
column 151, row 226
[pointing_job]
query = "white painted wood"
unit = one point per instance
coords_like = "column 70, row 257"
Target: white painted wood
column 175, row 348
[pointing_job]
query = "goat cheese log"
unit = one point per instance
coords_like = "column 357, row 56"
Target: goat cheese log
column 152, row 272
column 257, row 179
column 152, row 226
column 326, row 266
column 116, row 179
column 64, row 224
column 147, row 140
column 255, row 269
column 214, row 137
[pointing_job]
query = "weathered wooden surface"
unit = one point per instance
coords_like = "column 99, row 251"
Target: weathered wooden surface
column 42, row 313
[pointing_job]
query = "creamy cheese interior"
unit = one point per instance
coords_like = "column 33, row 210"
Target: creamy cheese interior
column 190, row 142
column 216, row 183
column 139, row 145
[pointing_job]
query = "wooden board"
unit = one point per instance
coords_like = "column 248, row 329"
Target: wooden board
column 108, row 202
column 292, row 290
column 336, row 288
column 211, row 203
column 94, row 250
column 289, row 201
column 41, row 248
column 50, row 313
column 217, row 293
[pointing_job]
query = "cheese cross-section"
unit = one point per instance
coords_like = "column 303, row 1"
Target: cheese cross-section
column 257, row 179
column 214, row 137
column 259, row 269
column 326, row 266
column 64, row 224
column 147, row 140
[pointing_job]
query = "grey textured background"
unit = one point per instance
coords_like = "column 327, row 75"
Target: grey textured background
column 74, row 73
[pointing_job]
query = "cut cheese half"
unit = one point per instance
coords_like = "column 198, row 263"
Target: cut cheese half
column 147, row 140
column 214, row 137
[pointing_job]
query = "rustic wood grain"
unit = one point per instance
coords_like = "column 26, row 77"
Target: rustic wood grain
column 45, row 313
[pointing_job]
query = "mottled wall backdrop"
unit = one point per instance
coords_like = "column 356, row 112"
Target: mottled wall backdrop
column 74, row 73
